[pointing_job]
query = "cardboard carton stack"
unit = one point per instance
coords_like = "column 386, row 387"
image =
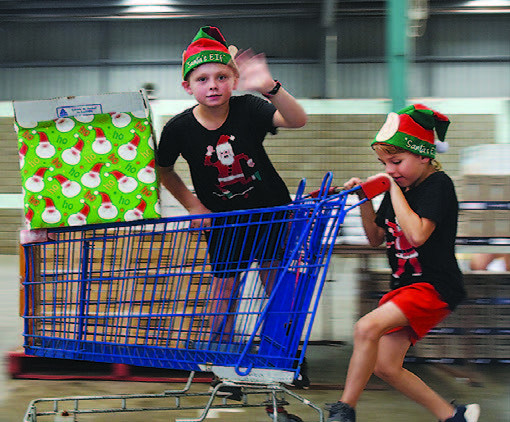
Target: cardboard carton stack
column 90, row 161
column 484, row 192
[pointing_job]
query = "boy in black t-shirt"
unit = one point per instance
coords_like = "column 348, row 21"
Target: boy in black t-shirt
column 418, row 220
column 221, row 138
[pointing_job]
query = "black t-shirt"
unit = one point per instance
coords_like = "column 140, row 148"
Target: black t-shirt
column 229, row 166
column 433, row 262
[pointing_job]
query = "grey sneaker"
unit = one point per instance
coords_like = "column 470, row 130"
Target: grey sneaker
column 467, row 413
column 341, row 412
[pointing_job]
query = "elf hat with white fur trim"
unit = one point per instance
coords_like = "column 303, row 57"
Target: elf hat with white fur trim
column 412, row 129
column 208, row 46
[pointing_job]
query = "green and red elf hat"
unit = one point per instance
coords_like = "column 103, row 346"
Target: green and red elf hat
column 208, row 46
column 412, row 129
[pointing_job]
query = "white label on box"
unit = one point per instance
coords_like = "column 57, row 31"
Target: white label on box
column 79, row 110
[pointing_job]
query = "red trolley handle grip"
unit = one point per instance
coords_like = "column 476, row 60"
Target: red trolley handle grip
column 375, row 186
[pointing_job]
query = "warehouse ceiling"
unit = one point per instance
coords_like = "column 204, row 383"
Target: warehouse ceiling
column 68, row 10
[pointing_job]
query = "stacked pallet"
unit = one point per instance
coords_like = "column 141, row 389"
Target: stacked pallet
column 138, row 281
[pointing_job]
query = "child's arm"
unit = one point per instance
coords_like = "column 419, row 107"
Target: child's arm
column 172, row 181
column 416, row 229
column 254, row 75
column 374, row 233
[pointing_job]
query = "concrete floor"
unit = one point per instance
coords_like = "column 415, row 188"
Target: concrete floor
column 487, row 385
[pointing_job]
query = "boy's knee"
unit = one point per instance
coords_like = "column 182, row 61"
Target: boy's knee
column 386, row 372
column 366, row 329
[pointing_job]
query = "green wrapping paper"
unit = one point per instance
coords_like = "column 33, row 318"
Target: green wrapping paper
column 96, row 168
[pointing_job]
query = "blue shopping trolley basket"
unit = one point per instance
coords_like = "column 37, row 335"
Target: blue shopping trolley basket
column 236, row 297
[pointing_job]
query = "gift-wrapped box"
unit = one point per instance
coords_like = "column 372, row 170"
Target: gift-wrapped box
column 87, row 160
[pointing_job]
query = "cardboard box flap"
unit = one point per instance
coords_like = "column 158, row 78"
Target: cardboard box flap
column 28, row 113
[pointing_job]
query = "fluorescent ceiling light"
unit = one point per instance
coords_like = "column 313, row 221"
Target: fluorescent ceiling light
column 487, row 3
column 147, row 2
column 150, row 9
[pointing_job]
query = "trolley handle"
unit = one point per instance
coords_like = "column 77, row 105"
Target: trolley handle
column 371, row 188
column 375, row 186
column 331, row 191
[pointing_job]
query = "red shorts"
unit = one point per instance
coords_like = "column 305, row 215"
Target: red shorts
column 421, row 304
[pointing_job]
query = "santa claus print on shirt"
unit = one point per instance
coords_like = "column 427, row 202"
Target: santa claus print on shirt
column 404, row 251
column 230, row 170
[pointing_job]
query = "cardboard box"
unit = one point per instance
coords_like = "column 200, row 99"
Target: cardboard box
column 498, row 188
column 474, row 223
column 482, row 187
column 471, row 188
column 87, row 160
column 501, row 223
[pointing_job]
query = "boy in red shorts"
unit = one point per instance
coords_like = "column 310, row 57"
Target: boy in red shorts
column 418, row 220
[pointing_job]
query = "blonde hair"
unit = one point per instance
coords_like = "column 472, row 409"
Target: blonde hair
column 230, row 64
column 392, row 149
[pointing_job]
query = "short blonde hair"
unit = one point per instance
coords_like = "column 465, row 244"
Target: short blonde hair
column 392, row 149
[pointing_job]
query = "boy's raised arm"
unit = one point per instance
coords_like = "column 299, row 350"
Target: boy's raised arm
column 254, row 75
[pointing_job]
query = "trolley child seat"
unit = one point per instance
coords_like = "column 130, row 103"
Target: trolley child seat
column 236, row 298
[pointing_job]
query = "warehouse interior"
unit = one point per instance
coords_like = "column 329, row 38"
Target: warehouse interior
column 348, row 63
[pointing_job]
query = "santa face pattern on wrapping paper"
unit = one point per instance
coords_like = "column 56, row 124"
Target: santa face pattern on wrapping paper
column 69, row 188
column 148, row 173
column 64, row 124
column 136, row 213
column 72, row 156
column 92, row 178
column 78, row 167
column 129, row 151
column 120, row 120
column 85, row 118
column 107, row 211
column 44, row 149
column 232, row 179
column 126, row 184
column 101, row 144
column 80, row 218
column 29, row 214
column 22, row 152
column 50, row 214
column 35, row 183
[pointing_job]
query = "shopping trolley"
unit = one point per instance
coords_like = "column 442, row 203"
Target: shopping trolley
column 235, row 295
